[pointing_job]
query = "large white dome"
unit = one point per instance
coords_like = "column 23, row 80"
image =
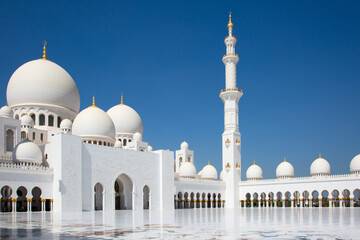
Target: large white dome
column 29, row 152
column 42, row 82
column 285, row 170
column 126, row 120
column 355, row 164
column 187, row 169
column 254, row 172
column 94, row 123
column 208, row 172
column 320, row 167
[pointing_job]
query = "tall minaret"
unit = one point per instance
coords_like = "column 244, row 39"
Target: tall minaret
column 231, row 138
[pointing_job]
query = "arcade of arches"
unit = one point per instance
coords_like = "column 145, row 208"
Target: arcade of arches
column 198, row 200
column 23, row 201
column 333, row 198
column 123, row 194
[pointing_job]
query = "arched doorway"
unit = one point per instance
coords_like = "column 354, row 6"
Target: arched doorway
column 5, row 204
column 123, row 193
column 21, row 204
column 315, row 199
column 208, row 200
column 287, row 199
column 180, row 200
column 271, row 199
column 248, row 200
column 146, row 197
column 197, row 200
column 98, row 197
column 335, row 198
column 325, row 198
column 296, row 199
column 305, row 195
column 36, row 200
column 186, row 200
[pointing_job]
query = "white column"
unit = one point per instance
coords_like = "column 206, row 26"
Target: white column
column 13, row 204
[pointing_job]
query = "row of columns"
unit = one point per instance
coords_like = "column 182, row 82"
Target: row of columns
column 299, row 202
column 28, row 203
column 182, row 203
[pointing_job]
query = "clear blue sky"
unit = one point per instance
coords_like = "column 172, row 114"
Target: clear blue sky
column 299, row 69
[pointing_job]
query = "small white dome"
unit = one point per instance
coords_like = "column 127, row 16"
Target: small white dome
column 6, row 111
column 320, row 167
column 184, row 145
column 187, row 169
column 150, row 148
column 94, row 123
column 42, row 82
column 285, row 170
column 137, row 136
column 126, row 120
column 66, row 124
column 29, row 152
column 222, row 175
column 355, row 164
column 254, row 172
column 26, row 120
column 118, row 144
column 209, row 172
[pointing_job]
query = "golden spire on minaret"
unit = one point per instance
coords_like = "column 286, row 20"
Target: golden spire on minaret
column 284, row 159
column 44, row 49
column 230, row 24
column 122, row 98
column 319, row 155
column 93, row 102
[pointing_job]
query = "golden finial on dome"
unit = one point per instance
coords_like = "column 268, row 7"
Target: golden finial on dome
column 122, row 98
column 93, row 102
column 208, row 162
column 44, row 49
column 230, row 24
column 254, row 163
column 319, row 155
column 284, row 159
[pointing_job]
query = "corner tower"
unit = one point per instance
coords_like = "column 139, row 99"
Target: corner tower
column 231, row 138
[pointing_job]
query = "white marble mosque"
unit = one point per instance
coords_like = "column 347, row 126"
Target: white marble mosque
column 56, row 158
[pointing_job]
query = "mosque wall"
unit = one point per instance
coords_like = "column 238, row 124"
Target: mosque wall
column 106, row 165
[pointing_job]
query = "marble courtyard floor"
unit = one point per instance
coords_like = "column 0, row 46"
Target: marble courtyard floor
column 258, row 223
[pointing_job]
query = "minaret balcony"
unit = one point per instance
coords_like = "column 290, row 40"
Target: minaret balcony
column 231, row 89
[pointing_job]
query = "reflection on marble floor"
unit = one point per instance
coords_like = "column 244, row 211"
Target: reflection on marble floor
column 311, row 223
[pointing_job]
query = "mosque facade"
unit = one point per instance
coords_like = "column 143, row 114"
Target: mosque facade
column 54, row 157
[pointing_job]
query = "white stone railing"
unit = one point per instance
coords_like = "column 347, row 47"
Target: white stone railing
column 197, row 180
column 6, row 157
column 22, row 165
column 296, row 179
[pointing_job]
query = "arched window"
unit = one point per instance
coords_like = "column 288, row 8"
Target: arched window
column 23, row 136
column 51, row 120
column 41, row 137
column 33, row 138
column 124, row 142
column 9, row 140
column 42, row 120
column 33, row 117
column 58, row 121
column 17, row 116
